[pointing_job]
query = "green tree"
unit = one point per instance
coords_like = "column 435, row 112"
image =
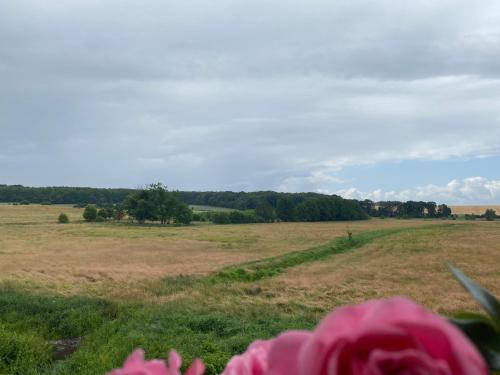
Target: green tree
column 139, row 206
column 368, row 207
column 490, row 214
column 266, row 212
column 164, row 202
column 118, row 213
column 63, row 218
column 285, row 209
column 443, row 211
column 183, row 214
column 431, row 209
column 157, row 203
column 309, row 211
column 219, row 217
column 90, row 213
column 143, row 210
column 103, row 213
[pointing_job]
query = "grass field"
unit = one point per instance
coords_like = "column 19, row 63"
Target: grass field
column 116, row 260
column 200, row 208
column 209, row 290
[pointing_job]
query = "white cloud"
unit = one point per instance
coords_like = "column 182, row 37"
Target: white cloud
column 468, row 190
column 311, row 182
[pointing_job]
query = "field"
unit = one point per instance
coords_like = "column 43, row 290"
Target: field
column 199, row 208
column 209, row 290
column 473, row 210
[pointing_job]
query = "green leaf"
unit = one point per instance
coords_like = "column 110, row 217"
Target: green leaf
column 481, row 295
column 484, row 336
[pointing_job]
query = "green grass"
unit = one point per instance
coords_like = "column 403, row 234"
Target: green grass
column 28, row 321
column 112, row 331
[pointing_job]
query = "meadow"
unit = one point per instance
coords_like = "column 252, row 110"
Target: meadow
column 208, row 290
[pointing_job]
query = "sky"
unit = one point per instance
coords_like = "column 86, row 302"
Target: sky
column 366, row 99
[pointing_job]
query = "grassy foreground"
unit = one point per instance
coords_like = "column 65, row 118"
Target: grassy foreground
column 112, row 330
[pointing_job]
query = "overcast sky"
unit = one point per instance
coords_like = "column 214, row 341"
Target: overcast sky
column 377, row 99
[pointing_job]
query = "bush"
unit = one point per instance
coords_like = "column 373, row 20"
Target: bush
column 63, row 218
column 219, row 217
column 490, row 214
column 201, row 216
column 183, row 214
column 90, row 213
column 232, row 217
column 105, row 213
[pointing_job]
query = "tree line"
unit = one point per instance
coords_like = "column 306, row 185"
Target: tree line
column 62, row 195
column 264, row 205
column 325, row 208
column 410, row 209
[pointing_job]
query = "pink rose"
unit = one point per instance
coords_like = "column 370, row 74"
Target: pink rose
column 276, row 356
column 136, row 365
column 393, row 336
column 252, row 362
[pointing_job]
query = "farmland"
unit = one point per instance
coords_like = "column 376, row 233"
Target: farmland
column 210, row 289
column 473, row 210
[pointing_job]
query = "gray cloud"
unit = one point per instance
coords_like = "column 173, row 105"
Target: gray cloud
column 242, row 94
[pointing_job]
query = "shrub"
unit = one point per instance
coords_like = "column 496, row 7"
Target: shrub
column 183, row 214
column 99, row 219
column 63, row 218
column 201, row 216
column 490, row 214
column 232, row 217
column 102, row 213
column 90, row 213
column 219, row 217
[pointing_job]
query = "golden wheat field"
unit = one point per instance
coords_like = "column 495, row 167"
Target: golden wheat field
column 473, row 210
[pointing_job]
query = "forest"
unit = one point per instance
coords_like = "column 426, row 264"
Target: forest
column 265, row 205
